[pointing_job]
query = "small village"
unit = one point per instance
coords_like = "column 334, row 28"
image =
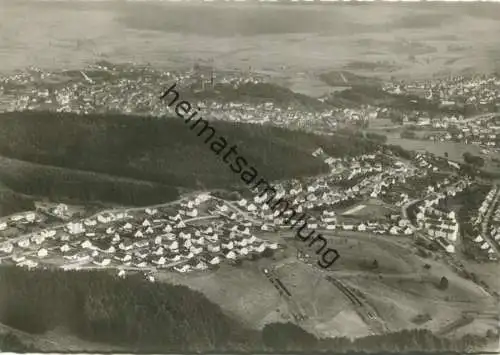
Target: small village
column 374, row 194
column 482, row 90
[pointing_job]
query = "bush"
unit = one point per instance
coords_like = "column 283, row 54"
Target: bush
column 443, row 283
column 287, row 337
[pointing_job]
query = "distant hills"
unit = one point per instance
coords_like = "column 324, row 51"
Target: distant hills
column 346, row 78
column 260, row 93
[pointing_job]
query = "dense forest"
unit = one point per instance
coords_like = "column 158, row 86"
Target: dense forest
column 258, row 93
column 362, row 95
column 12, row 202
column 67, row 156
column 132, row 312
column 73, row 186
column 150, row 317
column 9, row 342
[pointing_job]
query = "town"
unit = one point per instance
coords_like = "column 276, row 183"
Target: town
column 397, row 215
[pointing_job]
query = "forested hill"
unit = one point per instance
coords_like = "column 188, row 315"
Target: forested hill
column 161, row 151
column 259, row 93
column 131, row 313
column 149, row 317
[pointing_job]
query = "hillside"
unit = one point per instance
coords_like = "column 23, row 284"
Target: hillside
column 158, row 317
column 345, row 78
column 259, row 93
column 98, row 307
column 361, row 95
column 135, row 160
column 71, row 185
column 11, row 201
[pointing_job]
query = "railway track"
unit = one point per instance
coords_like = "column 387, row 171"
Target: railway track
column 293, row 307
column 364, row 311
column 348, row 293
column 464, row 320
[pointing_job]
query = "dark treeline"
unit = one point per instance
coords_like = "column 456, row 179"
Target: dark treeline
column 473, row 159
column 152, row 149
column 380, row 138
column 13, row 202
column 69, row 153
column 363, row 95
column 165, row 150
column 141, row 316
column 9, row 342
column 134, row 313
column 76, row 186
column 263, row 92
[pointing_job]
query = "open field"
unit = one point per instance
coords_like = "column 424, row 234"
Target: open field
column 402, row 40
column 455, row 150
column 399, row 290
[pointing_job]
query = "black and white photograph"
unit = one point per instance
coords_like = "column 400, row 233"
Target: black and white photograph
column 249, row 177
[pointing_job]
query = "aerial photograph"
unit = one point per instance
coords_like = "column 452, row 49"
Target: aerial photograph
column 249, row 177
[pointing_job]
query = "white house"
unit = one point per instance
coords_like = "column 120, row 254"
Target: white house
column 90, row 222
column 103, row 262
column 168, row 228
column 215, row 260
column 24, row 243
column 174, row 245
column 110, row 250
column 127, row 246
column 30, row 217
column 201, row 266
column 160, row 261
column 116, row 238
column 362, row 227
column 184, row 268
column 75, row 228
column 272, row 245
column 394, row 230
column 213, row 248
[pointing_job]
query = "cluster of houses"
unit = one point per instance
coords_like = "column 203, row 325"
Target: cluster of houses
column 140, row 240
column 438, row 223
column 135, row 91
column 171, row 237
column 429, row 162
column 483, row 133
column 477, row 90
column 322, row 194
column 267, row 112
column 488, row 221
column 19, row 221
